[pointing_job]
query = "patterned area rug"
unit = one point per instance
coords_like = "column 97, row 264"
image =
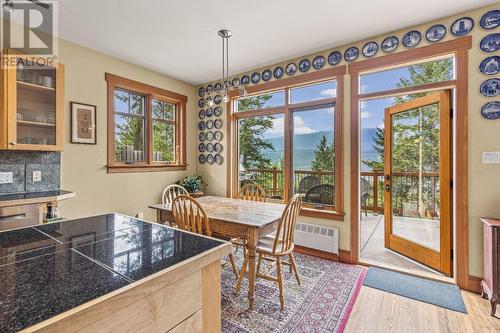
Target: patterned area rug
column 322, row 303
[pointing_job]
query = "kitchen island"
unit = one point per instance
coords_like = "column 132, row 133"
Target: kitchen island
column 109, row 273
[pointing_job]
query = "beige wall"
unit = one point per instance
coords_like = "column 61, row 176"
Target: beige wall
column 484, row 180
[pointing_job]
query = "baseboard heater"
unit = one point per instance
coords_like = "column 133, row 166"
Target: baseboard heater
column 317, row 237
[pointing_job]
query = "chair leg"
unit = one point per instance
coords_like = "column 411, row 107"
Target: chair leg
column 294, row 267
column 280, row 283
column 242, row 274
column 259, row 262
column 233, row 264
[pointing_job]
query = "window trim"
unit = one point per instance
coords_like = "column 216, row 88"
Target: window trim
column 337, row 74
column 150, row 93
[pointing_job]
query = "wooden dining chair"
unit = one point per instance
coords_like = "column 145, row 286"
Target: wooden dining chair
column 274, row 248
column 171, row 192
column 189, row 215
column 253, row 192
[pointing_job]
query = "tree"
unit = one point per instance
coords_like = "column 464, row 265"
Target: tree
column 324, row 155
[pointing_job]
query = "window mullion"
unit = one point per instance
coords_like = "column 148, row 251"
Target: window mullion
column 149, row 128
column 287, row 183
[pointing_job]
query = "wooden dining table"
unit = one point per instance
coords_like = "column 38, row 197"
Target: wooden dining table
column 236, row 218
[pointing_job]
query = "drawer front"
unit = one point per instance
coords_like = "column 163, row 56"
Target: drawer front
column 19, row 216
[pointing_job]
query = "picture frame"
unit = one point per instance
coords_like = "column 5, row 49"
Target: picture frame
column 83, row 123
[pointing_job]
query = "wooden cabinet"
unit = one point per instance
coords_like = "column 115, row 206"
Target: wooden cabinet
column 490, row 285
column 32, row 103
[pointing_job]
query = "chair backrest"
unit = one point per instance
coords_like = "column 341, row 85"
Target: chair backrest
column 283, row 242
column 189, row 215
column 171, row 192
column 253, row 192
column 307, row 182
column 320, row 194
column 364, row 185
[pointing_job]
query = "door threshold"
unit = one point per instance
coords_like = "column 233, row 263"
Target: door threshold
column 420, row 274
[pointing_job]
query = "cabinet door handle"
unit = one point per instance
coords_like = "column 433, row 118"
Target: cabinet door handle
column 12, row 143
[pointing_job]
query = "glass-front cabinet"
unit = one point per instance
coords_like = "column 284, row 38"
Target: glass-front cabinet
column 31, row 117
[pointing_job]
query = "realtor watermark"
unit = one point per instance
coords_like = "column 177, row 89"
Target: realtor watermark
column 30, row 29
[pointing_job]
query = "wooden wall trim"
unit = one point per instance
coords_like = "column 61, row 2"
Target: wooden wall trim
column 316, row 253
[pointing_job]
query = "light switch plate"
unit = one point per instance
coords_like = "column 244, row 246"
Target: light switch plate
column 37, row 176
column 491, row 157
column 6, row 178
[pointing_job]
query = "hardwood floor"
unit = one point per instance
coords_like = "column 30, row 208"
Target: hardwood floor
column 379, row 311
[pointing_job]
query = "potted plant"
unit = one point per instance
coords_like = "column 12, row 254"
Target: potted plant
column 193, row 184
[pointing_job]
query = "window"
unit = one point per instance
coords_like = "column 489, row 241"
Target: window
column 285, row 141
column 146, row 127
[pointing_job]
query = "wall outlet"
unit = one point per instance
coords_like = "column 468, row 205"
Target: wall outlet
column 6, row 178
column 491, row 157
column 37, row 176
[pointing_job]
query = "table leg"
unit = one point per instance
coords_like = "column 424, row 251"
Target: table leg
column 158, row 217
column 252, row 240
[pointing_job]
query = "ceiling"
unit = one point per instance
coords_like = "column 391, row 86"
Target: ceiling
column 179, row 38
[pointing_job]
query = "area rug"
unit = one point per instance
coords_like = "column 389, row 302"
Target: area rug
column 322, row 303
column 438, row 293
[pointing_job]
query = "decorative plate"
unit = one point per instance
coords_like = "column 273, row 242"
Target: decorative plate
column 209, row 112
column 202, row 159
column 217, row 147
column 218, row 123
column 218, row 135
column 490, row 65
column 202, row 136
column 278, row 72
column 209, row 100
column 304, row 65
column 210, row 124
column 235, row 82
column 201, row 102
column 334, row 58
column 267, row 75
column 490, row 88
column 217, row 111
column 210, row 159
column 291, row 69
column 490, row 43
column 245, row 79
column 412, row 38
column 491, row 110
column 201, row 91
column 218, row 159
column 202, row 147
column 201, row 125
column 201, row 114
column 318, row 62
column 209, row 89
column 227, row 84
column 351, row 53
column 370, row 49
column 217, row 88
column 210, row 147
column 255, row 77
column 435, row 33
column 462, row 26
column 390, row 44
column 490, row 20
column 217, row 99
column 210, row 136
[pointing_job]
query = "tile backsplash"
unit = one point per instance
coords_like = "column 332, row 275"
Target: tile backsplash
column 22, row 164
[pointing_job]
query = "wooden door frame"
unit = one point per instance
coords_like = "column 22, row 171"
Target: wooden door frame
column 440, row 260
column 459, row 48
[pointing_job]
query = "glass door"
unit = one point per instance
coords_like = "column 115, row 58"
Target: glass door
column 417, row 180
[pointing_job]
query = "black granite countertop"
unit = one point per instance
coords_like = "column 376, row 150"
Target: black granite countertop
column 46, row 270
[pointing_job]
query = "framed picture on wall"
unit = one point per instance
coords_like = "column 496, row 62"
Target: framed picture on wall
column 83, row 123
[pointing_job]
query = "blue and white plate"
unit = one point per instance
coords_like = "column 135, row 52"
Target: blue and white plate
column 490, row 43
column 227, row 84
column 202, row 136
column 209, row 89
column 209, row 113
column 201, row 91
column 235, row 82
column 201, row 102
column 202, row 114
column 491, row 110
column 210, row 147
column 278, row 72
column 291, row 69
column 304, row 65
column 462, row 26
column 490, row 20
column 318, row 62
column 201, row 125
column 210, row 136
column 217, row 87
column 370, row 49
column 490, row 88
column 202, row 147
column 209, row 124
column 210, row 159
column 267, row 75
column 217, row 99
column 435, row 33
column 255, row 77
column 218, row 123
column 490, row 65
column 217, row 111
column 334, row 58
column 202, row 159
column 351, row 53
column 218, row 147
column 218, row 159
column 245, row 79
column 390, row 44
column 412, row 38
column 218, row 135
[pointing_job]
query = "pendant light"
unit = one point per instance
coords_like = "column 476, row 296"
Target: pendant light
column 225, row 34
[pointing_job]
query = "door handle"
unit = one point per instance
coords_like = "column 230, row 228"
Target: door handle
column 387, row 187
column 387, row 177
